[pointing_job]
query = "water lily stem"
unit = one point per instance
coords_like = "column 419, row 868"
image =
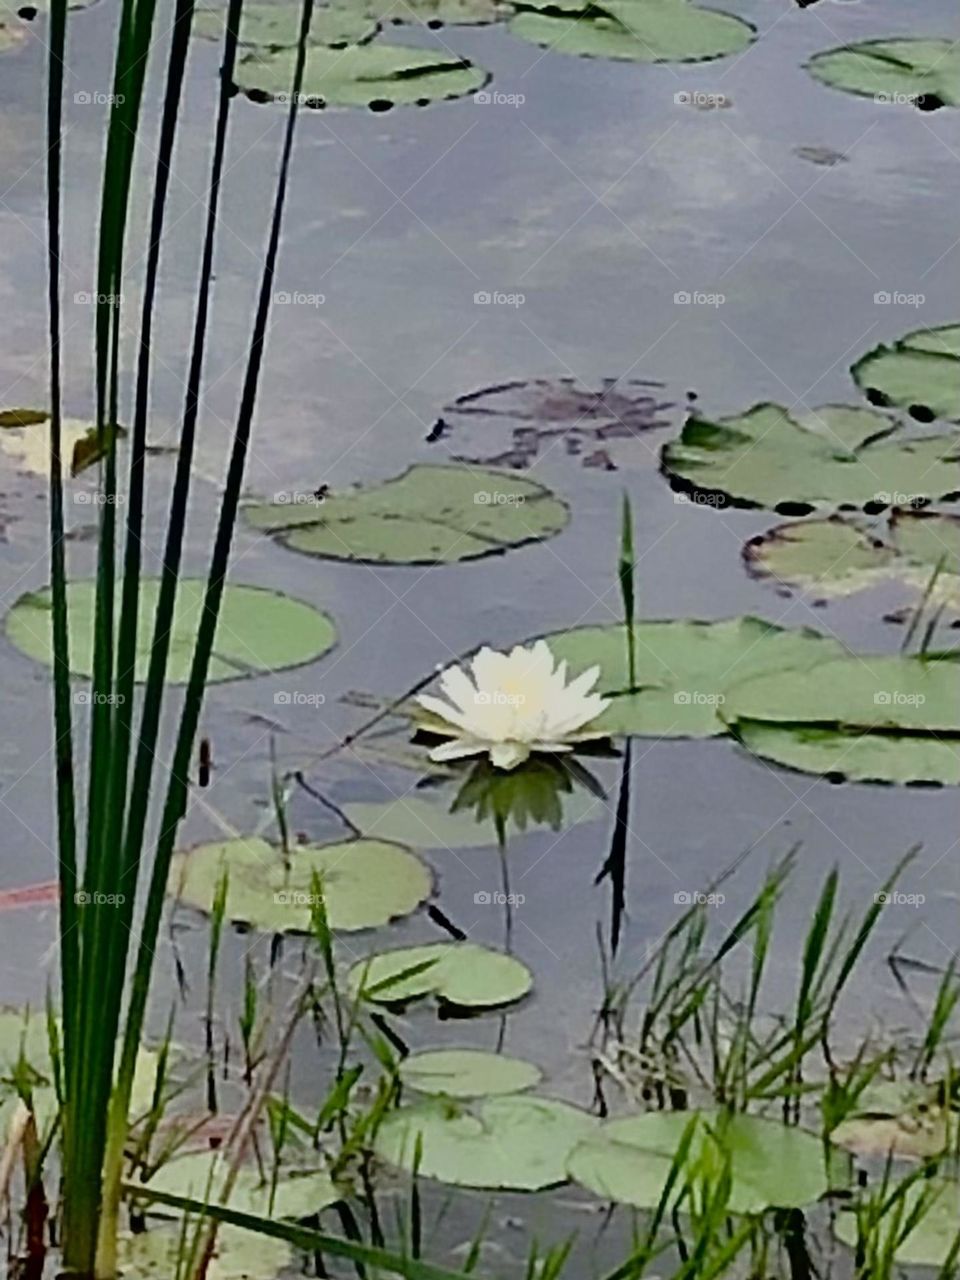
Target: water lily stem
column 505, row 880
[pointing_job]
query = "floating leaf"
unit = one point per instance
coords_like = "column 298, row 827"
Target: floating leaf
column 365, row 883
column 634, row 30
column 901, row 1118
column 427, row 515
column 516, row 1144
column 432, row 13
column 467, row 1073
column 932, row 1239
column 259, row 630
column 771, row 1164
column 919, row 373
column 22, row 417
column 24, row 441
column 92, row 446
column 378, row 76
column 838, row 557
column 831, row 457
column 458, row 973
column 200, row 1176
column 924, row 71
column 684, row 669
column 239, row 1255
column 277, row 26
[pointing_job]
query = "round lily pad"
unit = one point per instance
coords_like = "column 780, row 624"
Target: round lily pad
column 467, row 1073
column 919, row 373
column 158, row 1254
column 516, row 1144
column 684, row 669
column 771, row 1165
column 431, row 13
column 924, row 72
column 259, row 630
column 839, row 557
column 365, row 883
column 635, row 31
column 378, row 76
column 931, row 1241
column 427, row 515
column 200, row 1176
column 833, row 456
column 277, row 26
column 461, row 974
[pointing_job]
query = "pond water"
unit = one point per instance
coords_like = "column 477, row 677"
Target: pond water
column 597, row 198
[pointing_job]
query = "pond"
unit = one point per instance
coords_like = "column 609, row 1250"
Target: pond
column 689, row 239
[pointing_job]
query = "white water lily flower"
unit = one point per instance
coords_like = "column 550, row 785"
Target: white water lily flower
column 512, row 704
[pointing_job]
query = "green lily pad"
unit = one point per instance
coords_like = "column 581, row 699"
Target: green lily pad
column 924, row 72
column 632, row 30
column 516, row 1144
column 461, row 974
column 899, row 1118
column 239, row 1255
column 366, row 883
column 22, row 417
column 684, row 669
column 277, row 26
column 919, row 373
column 427, row 515
column 839, row 557
column 200, row 1175
column 259, row 630
column 930, row 1242
column 378, row 76
column 834, row 456
column 431, row 13
column 467, row 1073
column 771, row 1165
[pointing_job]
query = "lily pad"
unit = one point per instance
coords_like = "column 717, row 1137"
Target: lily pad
column 932, row 1239
column 29, row 445
column 901, row 1118
column 427, row 515
column 277, row 26
column 431, row 13
column 771, row 1165
column 685, row 669
column 366, row 883
column 461, row 974
column 378, row 76
column 632, row 30
column 259, row 630
column 22, row 418
column 516, row 1144
column 467, row 1073
column 839, row 557
column 239, row 1255
column 834, row 456
column 925, row 71
column 200, row 1176
column 919, row 373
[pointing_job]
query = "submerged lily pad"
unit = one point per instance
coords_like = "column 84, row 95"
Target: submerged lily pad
column 834, row 456
column 158, row 1254
column 467, row 1073
column 378, row 76
column 431, row 13
column 922, row 71
column 838, row 557
column 919, row 373
column 771, row 1165
column 932, row 1239
column 427, row 515
column 633, row 30
column 277, row 26
column 516, row 1144
column 685, row 669
column 365, row 883
column 461, row 974
column 201, row 1175
column 259, row 630
column 901, row 1118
